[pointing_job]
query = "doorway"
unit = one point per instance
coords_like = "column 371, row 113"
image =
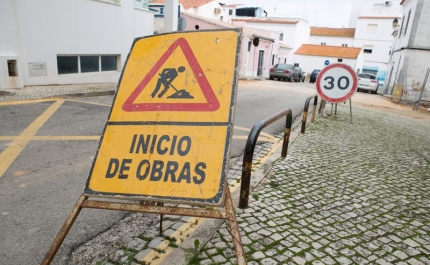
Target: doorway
column 260, row 63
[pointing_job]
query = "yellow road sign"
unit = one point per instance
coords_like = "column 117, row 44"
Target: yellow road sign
column 169, row 131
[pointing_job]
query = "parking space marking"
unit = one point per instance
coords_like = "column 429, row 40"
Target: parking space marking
column 8, row 103
column 11, row 153
column 52, row 138
column 92, row 103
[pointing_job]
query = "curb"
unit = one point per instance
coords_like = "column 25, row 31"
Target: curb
column 87, row 94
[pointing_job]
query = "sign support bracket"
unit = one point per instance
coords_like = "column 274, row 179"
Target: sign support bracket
column 227, row 212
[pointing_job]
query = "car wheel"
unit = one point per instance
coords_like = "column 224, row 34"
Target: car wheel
column 376, row 91
column 271, row 77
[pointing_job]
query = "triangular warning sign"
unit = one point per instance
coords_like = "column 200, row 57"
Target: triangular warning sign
column 212, row 103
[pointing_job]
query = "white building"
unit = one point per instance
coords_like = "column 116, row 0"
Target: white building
column 317, row 56
column 342, row 37
column 373, row 29
column 292, row 32
column 68, row 41
column 411, row 52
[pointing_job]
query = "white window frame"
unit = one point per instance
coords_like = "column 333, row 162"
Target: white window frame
column 118, row 58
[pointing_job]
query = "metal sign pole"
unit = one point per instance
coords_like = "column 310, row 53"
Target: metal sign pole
column 350, row 109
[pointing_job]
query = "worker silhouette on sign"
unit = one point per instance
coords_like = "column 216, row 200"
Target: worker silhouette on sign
column 166, row 78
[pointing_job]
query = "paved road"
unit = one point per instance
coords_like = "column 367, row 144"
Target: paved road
column 47, row 148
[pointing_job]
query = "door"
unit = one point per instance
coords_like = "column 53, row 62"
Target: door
column 260, row 63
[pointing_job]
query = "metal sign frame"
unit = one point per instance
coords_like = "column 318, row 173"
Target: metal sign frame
column 223, row 209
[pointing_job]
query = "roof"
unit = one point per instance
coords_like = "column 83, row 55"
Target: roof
column 331, row 51
column 262, row 20
column 228, row 25
column 281, row 45
column 232, row 5
column 209, row 20
column 334, row 32
column 376, row 17
column 186, row 3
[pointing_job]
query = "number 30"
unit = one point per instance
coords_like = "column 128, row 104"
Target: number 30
column 339, row 82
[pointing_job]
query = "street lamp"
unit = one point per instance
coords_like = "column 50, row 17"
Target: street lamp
column 395, row 23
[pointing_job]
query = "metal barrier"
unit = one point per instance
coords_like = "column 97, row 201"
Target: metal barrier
column 249, row 151
column 305, row 111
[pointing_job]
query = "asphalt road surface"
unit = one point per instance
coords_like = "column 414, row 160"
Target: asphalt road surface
column 44, row 172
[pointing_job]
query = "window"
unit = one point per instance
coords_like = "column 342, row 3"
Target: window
column 141, row 4
column 109, row 63
column 371, row 28
column 67, row 65
column 377, row 8
column 281, row 36
column 367, row 49
column 344, row 45
column 273, row 59
column 340, row 60
column 323, row 43
column 401, row 27
column 89, row 64
column 407, row 22
column 11, row 67
column 285, row 60
column 86, row 64
column 249, row 46
column 230, row 12
column 221, row 18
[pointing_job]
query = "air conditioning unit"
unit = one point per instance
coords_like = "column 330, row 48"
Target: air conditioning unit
column 387, row 3
column 217, row 11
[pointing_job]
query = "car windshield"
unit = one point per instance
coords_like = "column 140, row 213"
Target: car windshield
column 367, row 76
column 283, row 66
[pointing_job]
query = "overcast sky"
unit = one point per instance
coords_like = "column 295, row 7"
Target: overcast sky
column 321, row 13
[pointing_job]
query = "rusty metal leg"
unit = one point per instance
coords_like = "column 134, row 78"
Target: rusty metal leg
column 234, row 227
column 64, row 231
column 335, row 109
column 161, row 218
column 350, row 109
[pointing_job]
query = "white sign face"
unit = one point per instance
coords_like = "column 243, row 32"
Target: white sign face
column 337, row 83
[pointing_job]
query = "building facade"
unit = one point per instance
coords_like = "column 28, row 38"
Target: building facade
column 410, row 55
column 373, row 29
column 68, row 41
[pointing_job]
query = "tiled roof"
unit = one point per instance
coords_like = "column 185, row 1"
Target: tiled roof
column 377, row 17
column 232, row 5
column 335, row 32
column 262, row 20
column 209, row 20
column 186, row 3
column 331, row 51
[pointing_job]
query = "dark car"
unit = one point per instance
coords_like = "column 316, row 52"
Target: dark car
column 314, row 75
column 298, row 75
column 281, row 71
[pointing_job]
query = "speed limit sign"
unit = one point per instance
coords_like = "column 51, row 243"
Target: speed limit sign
column 337, row 83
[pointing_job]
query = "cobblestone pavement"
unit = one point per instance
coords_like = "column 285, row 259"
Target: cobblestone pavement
column 36, row 92
column 345, row 194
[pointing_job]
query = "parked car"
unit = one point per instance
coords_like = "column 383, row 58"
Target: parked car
column 314, row 75
column 298, row 75
column 281, row 71
column 367, row 82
